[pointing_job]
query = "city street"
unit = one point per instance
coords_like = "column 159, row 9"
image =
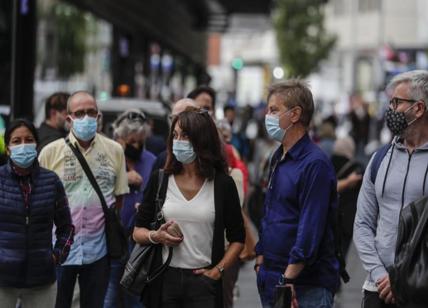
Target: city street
column 350, row 297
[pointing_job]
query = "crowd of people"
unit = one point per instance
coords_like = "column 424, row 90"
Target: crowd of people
column 53, row 224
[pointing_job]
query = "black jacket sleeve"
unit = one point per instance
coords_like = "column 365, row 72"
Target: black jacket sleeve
column 233, row 221
column 146, row 210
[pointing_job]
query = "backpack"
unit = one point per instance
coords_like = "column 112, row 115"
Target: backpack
column 377, row 160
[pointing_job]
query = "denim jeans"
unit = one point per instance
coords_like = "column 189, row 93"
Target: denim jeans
column 115, row 296
column 93, row 281
column 307, row 297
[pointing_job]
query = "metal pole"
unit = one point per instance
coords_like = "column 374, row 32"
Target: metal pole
column 13, row 59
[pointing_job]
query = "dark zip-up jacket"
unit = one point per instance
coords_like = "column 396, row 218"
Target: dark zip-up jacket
column 26, row 252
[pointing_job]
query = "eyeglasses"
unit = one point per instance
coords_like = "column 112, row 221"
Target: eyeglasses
column 395, row 101
column 81, row 113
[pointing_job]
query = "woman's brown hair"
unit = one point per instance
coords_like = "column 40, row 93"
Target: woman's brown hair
column 203, row 135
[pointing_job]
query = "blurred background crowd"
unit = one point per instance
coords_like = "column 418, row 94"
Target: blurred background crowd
column 145, row 55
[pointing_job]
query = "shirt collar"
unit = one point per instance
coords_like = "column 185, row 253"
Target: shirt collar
column 296, row 150
column 74, row 141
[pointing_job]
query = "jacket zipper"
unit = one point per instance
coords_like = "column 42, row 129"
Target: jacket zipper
column 27, row 230
column 405, row 180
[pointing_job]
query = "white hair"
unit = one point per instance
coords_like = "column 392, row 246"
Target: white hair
column 123, row 126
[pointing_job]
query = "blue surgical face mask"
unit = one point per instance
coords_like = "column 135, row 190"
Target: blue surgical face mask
column 23, row 155
column 183, row 151
column 85, row 128
column 273, row 128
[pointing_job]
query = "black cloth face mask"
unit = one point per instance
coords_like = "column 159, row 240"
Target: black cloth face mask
column 396, row 120
column 133, row 153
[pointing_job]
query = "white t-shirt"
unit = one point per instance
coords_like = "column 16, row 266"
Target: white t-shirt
column 196, row 220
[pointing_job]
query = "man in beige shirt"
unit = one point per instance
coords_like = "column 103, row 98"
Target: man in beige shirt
column 88, row 259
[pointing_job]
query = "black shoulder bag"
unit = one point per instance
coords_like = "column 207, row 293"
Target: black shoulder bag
column 145, row 263
column 409, row 274
column 117, row 244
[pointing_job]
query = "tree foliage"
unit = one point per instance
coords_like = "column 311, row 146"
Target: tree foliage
column 302, row 39
column 71, row 32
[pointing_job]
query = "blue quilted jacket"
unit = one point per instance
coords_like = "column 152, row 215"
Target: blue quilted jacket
column 27, row 257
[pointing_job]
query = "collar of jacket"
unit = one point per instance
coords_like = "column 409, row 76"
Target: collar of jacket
column 35, row 168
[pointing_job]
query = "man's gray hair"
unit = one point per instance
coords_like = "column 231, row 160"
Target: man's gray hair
column 295, row 92
column 418, row 84
column 124, row 126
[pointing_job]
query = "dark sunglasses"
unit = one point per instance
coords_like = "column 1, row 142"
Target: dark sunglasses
column 132, row 116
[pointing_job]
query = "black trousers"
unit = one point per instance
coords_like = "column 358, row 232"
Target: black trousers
column 181, row 288
column 372, row 300
column 93, row 281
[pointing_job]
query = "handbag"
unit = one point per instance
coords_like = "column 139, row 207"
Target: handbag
column 409, row 274
column 117, row 243
column 145, row 262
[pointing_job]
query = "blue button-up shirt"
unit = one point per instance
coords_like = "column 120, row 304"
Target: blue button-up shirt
column 300, row 205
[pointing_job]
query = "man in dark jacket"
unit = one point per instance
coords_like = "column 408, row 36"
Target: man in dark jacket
column 296, row 245
column 53, row 127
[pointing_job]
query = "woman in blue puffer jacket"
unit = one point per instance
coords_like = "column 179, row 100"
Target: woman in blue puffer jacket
column 32, row 199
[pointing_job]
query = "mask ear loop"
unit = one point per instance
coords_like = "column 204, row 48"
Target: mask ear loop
column 408, row 109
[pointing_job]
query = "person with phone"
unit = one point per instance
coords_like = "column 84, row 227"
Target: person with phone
column 296, row 246
column 201, row 203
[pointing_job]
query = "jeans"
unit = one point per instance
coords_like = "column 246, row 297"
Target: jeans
column 183, row 289
column 37, row 297
column 93, row 281
column 307, row 297
column 115, row 296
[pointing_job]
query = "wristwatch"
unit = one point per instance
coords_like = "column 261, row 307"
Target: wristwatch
column 284, row 280
column 220, row 269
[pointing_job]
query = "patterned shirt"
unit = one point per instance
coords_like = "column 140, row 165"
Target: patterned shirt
column 107, row 162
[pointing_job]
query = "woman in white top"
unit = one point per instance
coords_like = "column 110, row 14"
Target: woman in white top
column 202, row 200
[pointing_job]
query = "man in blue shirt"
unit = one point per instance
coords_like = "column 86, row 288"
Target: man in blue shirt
column 296, row 245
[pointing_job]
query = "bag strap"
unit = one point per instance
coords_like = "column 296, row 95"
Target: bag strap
column 377, row 160
column 338, row 248
column 89, row 174
column 345, row 168
column 159, row 219
column 159, row 201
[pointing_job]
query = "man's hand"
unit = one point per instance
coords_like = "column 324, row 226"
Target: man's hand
column 384, row 289
column 134, row 178
column 294, row 302
column 259, row 262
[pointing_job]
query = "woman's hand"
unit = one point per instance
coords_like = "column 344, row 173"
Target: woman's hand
column 163, row 237
column 213, row 273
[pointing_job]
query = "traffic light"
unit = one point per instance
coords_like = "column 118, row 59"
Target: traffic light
column 237, row 64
